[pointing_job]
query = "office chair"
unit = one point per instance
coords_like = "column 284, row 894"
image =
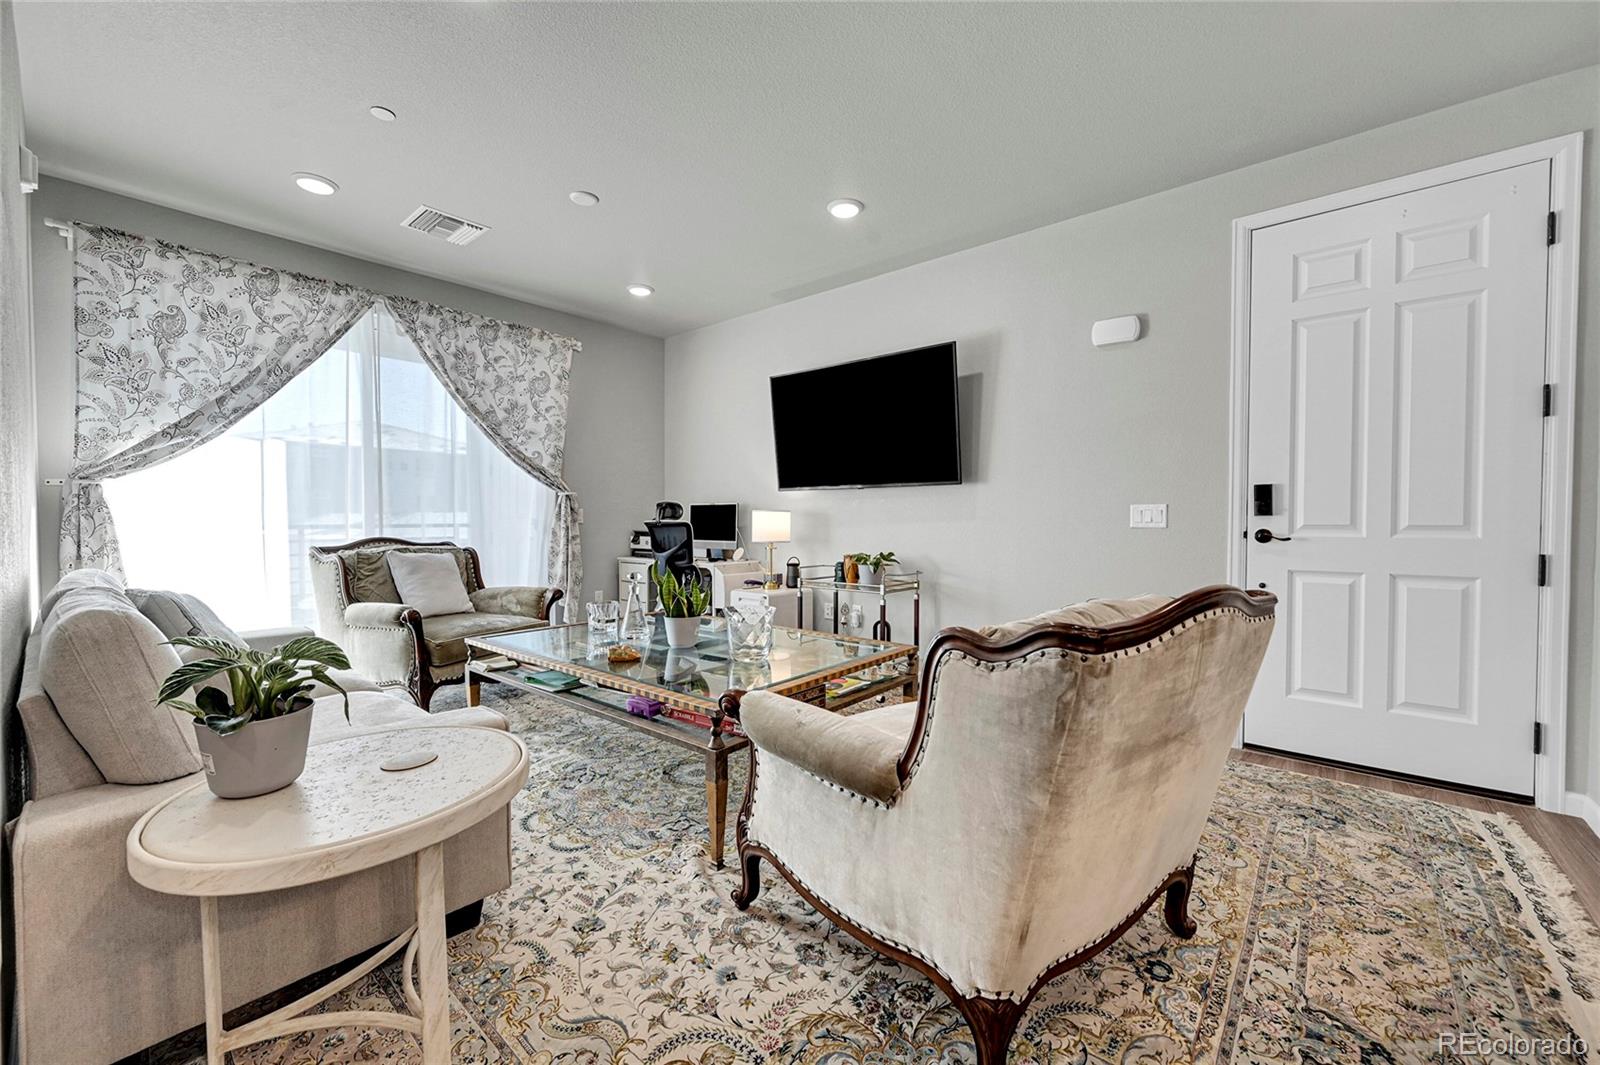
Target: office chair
column 672, row 543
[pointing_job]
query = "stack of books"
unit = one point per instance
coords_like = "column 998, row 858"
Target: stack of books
column 552, row 680
column 844, row 685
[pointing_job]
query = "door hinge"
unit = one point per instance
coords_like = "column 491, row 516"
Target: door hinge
column 1544, row 570
column 1550, row 228
column 1549, row 400
column 1538, row 738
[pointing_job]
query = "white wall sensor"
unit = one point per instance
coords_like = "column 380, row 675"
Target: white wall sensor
column 1115, row 330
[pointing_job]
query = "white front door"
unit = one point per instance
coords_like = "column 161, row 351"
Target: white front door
column 1396, row 386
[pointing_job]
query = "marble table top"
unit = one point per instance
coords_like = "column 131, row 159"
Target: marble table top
column 343, row 814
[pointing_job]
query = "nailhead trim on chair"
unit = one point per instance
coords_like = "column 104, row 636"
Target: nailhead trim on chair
column 841, row 789
column 1063, row 653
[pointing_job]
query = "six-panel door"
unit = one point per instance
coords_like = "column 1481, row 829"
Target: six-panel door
column 1396, row 375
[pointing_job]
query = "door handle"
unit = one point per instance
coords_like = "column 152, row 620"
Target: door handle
column 1264, row 536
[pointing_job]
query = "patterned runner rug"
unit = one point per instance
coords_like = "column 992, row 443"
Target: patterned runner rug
column 1337, row 924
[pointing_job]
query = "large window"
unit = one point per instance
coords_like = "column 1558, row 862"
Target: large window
column 366, row 442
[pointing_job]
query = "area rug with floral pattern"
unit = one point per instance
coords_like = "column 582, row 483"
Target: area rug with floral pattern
column 1336, row 924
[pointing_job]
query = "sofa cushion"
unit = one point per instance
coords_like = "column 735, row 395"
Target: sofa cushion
column 102, row 662
column 430, row 582
column 179, row 614
column 56, row 761
column 370, row 710
column 370, row 581
column 446, row 635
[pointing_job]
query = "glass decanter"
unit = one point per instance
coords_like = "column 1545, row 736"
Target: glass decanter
column 635, row 626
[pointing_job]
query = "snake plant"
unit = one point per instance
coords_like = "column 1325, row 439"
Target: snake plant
column 681, row 599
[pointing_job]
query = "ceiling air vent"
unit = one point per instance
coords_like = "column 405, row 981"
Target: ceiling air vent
column 448, row 227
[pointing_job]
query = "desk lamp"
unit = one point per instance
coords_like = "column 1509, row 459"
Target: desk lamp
column 769, row 527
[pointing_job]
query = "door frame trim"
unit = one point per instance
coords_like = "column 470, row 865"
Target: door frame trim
column 1565, row 154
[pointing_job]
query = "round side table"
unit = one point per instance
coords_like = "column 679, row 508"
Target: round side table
column 343, row 815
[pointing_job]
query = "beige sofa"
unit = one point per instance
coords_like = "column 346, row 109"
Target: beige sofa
column 105, row 967
column 359, row 609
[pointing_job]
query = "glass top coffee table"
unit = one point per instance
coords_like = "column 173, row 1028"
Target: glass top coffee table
column 699, row 687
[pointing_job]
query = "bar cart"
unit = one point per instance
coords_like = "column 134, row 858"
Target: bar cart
column 896, row 583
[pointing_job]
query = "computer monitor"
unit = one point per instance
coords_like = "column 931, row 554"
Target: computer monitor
column 716, row 526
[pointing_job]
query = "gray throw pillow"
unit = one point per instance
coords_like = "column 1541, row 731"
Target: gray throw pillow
column 178, row 614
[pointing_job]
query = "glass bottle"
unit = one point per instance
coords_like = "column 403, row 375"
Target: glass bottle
column 635, row 622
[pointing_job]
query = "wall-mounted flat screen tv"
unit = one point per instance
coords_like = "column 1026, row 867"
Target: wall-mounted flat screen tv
column 904, row 410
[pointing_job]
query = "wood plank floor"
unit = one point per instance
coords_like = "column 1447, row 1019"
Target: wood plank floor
column 1569, row 841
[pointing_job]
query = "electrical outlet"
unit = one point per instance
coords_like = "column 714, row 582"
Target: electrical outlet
column 855, row 616
column 827, row 611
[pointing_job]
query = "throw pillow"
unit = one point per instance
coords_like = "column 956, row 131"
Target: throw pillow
column 178, row 614
column 369, row 576
column 430, row 582
column 101, row 662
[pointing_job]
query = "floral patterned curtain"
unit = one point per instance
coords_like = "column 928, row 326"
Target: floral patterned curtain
column 512, row 381
column 173, row 347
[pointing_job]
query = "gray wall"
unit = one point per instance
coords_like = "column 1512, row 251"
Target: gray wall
column 18, row 593
column 1063, row 437
column 614, row 426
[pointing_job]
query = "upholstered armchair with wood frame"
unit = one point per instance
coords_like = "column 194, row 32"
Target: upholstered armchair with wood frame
column 392, row 644
column 1048, row 786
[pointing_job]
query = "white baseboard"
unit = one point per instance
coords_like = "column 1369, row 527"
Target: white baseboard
column 1584, row 809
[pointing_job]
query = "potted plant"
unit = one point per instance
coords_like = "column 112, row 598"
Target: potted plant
column 683, row 604
column 253, row 729
column 873, row 567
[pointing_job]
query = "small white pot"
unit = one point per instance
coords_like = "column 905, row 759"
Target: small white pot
column 262, row 756
column 871, row 575
column 682, row 632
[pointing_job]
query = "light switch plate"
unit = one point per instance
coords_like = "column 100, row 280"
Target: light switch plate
column 1147, row 516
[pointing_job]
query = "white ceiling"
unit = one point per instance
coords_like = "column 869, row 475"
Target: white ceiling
column 715, row 134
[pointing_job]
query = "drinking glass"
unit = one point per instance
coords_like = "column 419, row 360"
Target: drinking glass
column 750, row 630
column 603, row 616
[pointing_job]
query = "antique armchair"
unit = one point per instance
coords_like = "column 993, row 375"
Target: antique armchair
column 1049, row 785
column 393, row 644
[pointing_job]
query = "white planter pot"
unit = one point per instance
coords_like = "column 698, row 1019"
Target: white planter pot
column 870, row 575
column 682, row 632
column 262, row 756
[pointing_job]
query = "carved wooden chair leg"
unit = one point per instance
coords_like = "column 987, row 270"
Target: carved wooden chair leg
column 1177, row 907
column 750, row 881
column 993, row 1022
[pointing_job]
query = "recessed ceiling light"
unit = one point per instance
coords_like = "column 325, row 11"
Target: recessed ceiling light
column 382, row 114
column 316, row 184
column 583, row 199
column 640, row 290
column 845, row 208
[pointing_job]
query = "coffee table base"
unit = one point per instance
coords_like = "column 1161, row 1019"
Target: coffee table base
column 424, row 944
column 715, row 745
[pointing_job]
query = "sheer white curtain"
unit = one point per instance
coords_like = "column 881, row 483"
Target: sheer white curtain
column 365, row 442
